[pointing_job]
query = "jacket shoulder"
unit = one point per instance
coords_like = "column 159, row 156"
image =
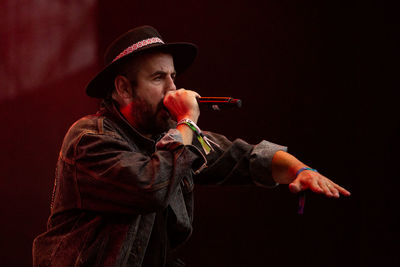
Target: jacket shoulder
column 90, row 124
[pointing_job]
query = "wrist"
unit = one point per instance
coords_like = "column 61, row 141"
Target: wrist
column 191, row 124
column 203, row 140
column 191, row 117
column 284, row 167
column 304, row 169
column 295, row 170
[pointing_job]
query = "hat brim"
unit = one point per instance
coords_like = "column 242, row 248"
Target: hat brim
column 182, row 53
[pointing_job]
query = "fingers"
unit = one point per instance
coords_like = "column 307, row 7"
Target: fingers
column 318, row 184
column 182, row 104
column 327, row 187
column 334, row 189
column 300, row 185
column 195, row 94
column 181, row 95
column 183, row 91
column 315, row 186
column 341, row 190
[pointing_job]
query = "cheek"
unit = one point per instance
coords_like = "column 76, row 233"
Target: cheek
column 152, row 95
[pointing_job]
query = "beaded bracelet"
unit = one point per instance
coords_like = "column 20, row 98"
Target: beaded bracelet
column 200, row 136
column 302, row 195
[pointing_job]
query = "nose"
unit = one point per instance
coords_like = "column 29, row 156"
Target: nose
column 170, row 84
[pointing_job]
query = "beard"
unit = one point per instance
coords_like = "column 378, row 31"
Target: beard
column 151, row 120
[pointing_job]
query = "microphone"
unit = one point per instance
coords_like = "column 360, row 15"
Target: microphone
column 218, row 103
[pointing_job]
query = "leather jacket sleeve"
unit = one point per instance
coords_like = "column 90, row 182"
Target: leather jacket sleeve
column 238, row 162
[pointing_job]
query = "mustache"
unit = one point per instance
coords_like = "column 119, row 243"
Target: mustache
column 161, row 106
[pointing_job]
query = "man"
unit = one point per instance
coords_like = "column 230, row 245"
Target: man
column 124, row 178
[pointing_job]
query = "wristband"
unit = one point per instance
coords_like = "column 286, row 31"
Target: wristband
column 302, row 195
column 202, row 139
column 191, row 124
column 304, row 169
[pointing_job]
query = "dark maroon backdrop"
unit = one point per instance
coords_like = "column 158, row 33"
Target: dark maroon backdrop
column 317, row 77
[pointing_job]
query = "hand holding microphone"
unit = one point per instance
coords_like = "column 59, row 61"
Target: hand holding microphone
column 182, row 104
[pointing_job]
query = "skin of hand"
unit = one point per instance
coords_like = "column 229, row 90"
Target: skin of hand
column 182, row 104
column 285, row 167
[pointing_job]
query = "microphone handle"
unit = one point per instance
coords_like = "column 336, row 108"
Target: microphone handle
column 218, row 103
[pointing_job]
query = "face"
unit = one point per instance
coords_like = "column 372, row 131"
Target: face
column 154, row 78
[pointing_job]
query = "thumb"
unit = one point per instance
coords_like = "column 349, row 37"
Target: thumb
column 295, row 187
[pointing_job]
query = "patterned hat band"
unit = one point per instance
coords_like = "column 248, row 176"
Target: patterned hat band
column 138, row 45
column 135, row 41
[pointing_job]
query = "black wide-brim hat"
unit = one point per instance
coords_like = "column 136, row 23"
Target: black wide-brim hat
column 135, row 42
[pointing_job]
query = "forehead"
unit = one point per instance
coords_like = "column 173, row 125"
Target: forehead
column 156, row 61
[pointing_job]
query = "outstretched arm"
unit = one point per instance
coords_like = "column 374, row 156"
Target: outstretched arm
column 284, row 170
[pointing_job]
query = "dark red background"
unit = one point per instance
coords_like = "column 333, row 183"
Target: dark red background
column 317, row 77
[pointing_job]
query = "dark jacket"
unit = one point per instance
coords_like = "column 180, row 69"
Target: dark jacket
column 112, row 183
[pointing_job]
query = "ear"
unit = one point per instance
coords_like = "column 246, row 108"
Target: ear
column 123, row 87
